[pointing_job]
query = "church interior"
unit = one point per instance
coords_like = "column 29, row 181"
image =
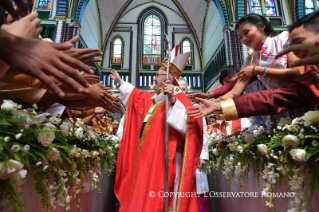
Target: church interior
column 80, row 127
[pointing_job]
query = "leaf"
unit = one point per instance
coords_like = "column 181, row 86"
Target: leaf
column 3, row 122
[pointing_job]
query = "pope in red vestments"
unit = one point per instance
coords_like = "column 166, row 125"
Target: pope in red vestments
column 140, row 180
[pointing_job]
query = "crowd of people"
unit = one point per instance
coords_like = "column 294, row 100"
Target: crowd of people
column 280, row 76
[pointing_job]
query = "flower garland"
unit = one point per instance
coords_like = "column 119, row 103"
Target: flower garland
column 291, row 148
column 63, row 155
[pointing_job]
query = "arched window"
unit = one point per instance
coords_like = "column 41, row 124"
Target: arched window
column 267, row 7
column 311, row 6
column 186, row 46
column 152, row 40
column 44, row 4
column 117, row 51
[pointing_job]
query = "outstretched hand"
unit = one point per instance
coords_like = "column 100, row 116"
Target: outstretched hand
column 198, row 95
column 91, row 78
column 42, row 59
column 204, row 109
column 86, row 55
column 115, row 76
column 28, row 26
column 309, row 54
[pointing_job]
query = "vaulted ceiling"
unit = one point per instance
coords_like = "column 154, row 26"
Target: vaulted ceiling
column 193, row 11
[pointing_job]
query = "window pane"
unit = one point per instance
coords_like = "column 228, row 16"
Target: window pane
column 309, row 6
column 44, row 4
column 152, row 40
column 256, row 6
column 187, row 48
column 117, row 51
column 270, row 8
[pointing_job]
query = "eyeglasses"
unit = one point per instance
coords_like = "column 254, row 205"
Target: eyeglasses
column 159, row 74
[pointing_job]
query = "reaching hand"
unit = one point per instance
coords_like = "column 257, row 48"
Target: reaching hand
column 86, row 55
column 309, row 54
column 115, row 76
column 204, row 109
column 246, row 73
column 40, row 59
column 21, row 4
column 27, row 26
column 199, row 95
column 97, row 94
column 91, row 78
column 99, row 110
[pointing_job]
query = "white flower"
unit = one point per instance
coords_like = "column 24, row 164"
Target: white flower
column 9, row 168
column 314, row 143
column 73, row 152
column 284, row 121
column 53, row 154
column 297, row 120
column 312, row 116
column 7, row 139
column 79, row 133
column 49, row 126
column 232, row 147
column 215, row 151
column 85, row 153
column 77, row 155
column 257, row 133
column 26, row 147
column 240, row 149
column 298, row 155
column 9, row 105
column 15, row 148
column 249, row 137
column 18, row 136
column 291, row 140
column 65, row 126
column 54, row 120
column 38, row 163
column 46, row 138
column 19, row 178
column 262, row 149
column 95, row 154
column 45, row 167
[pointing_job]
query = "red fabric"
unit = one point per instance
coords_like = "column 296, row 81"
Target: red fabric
column 138, row 175
column 235, row 126
column 302, row 92
column 203, row 203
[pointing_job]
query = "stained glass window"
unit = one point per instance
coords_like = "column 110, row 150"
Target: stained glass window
column 187, row 48
column 117, row 51
column 44, row 4
column 270, row 8
column 255, row 6
column 310, row 6
column 152, row 40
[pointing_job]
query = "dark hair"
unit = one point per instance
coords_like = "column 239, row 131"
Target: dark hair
column 228, row 71
column 214, row 117
column 111, row 117
column 310, row 22
column 258, row 21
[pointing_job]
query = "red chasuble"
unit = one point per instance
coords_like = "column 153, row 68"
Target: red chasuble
column 140, row 180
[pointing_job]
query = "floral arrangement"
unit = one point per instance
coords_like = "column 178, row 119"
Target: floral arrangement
column 63, row 156
column 291, row 149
